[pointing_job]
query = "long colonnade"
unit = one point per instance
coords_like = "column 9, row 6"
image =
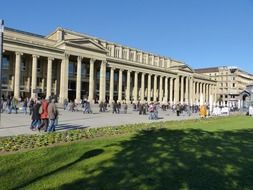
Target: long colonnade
column 106, row 72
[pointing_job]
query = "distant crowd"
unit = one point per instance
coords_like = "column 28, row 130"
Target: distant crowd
column 44, row 113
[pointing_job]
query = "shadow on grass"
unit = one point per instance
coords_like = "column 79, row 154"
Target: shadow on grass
column 161, row 159
column 86, row 155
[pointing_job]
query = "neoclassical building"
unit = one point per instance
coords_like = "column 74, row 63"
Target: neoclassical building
column 73, row 66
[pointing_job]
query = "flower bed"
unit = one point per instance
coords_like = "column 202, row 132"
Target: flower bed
column 16, row 143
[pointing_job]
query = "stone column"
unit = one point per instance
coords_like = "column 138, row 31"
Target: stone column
column 102, row 81
column 17, row 75
column 187, row 90
column 142, row 86
column 120, row 86
column 149, row 87
column 201, row 98
column 191, row 91
column 34, row 75
column 136, row 87
column 43, row 85
column 128, row 87
column 64, row 78
column 171, row 89
column 182, row 90
column 204, row 92
column 78, row 79
column 66, row 84
column 155, row 88
column 91, row 81
column 28, row 84
column 49, row 76
column 111, row 84
column 197, row 92
column 62, row 82
column 166, row 89
column 176, row 90
column 207, row 92
column 161, row 89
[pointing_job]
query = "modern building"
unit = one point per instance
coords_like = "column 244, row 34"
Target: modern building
column 72, row 66
column 231, row 81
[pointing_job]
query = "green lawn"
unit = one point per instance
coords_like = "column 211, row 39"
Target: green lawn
column 198, row 155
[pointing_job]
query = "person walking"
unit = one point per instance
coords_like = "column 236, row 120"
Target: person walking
column 35, row 116
column 14, row 103
column 178, row 109
column 125, row 107
column 44, row 114
column 25, row 104
column 52, row 115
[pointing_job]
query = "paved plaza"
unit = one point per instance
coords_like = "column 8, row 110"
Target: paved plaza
column 16, row 124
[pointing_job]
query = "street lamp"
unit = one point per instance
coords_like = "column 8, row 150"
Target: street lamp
column 1, row 59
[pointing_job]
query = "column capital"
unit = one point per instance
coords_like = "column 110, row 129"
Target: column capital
column 92, row 60
column 35, row 56
column 18, row 53
column 112, row 68
column 50, row 58
column 79, row 58
column 66, row 56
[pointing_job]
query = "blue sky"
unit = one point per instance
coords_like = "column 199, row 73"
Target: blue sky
column 201, row 33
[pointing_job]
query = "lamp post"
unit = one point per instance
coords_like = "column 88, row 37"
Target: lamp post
column 1, row 59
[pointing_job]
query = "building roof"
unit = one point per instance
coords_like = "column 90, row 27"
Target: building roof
column 207, row 70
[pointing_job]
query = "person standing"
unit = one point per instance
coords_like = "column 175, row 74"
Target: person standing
column 25, row 104
column 14, row 103
column 52, row 115
column 35, row 116
column 178, row 109
column 31, row 104
column 44, row 114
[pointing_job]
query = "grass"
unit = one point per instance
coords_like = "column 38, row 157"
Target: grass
column 201, row 155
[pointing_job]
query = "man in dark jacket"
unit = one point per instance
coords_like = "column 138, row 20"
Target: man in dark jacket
column 35, row 115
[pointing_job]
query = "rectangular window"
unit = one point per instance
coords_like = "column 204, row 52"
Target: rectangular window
column 124, row 54
column 131, row 56
column 150, row 60
column 72, row 69
column 110, row 50
column 138, row 57
column 117, row 52
column 160, row 63
column 5, row 70
column 23, row 65
column 39, row 66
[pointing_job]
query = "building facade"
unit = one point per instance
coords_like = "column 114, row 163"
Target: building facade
column 231, row 81
column 73, row 66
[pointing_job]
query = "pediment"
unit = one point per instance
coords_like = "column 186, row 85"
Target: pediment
column 84, row 43
column 245, row 92
column 183, row 67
